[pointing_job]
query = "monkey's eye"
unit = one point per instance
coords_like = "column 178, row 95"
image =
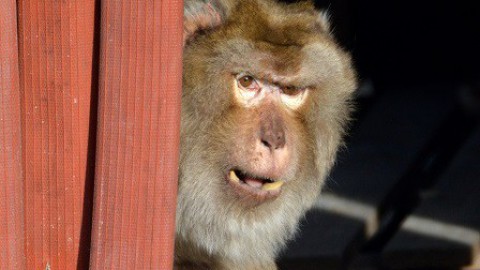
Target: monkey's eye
column 291, row 90
column 247, row 82
column 247, row 88
column 293, row 97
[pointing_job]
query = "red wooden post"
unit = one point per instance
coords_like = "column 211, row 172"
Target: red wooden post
column 11, row 184
column 55, row 57
column 137, row 141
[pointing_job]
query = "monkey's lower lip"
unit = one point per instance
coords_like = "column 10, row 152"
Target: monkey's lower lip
column 259, row 189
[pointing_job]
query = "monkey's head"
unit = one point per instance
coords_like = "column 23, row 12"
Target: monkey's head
column 265, row 101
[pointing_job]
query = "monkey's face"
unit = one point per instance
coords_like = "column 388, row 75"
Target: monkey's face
column 252, row 148
column 265, row 100
column 264, row 103
column 263, row 149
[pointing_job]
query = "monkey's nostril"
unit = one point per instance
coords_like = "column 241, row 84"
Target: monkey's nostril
column 266, row 143
column 280, row 141
column 273, row 142
column 272, row 132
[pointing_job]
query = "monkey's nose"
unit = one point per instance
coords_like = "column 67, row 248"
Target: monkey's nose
column 272, row 137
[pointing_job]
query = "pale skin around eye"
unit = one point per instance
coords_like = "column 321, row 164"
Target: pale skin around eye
column 250, row 92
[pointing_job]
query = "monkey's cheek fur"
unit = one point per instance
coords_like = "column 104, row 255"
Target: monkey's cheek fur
column 257, row 190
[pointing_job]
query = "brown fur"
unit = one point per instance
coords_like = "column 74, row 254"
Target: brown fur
column 284, row 45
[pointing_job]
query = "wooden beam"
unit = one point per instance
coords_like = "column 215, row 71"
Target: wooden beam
column 56, row 41
column 11, row 178
column 138, row 135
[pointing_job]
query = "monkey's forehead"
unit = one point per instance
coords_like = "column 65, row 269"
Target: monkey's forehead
column 284, row 44
column 281, row 43
column 276, row 23
column 310, row 66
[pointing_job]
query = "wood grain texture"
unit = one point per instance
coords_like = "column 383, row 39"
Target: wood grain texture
column 11, row 179
column 137, row 140
column 55, row 59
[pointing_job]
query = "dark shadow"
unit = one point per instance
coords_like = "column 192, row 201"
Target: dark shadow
column 319, row 245
column 425, row 172
column 409, row 137
column 432, row 146
column 86, row 229
column 420, row 251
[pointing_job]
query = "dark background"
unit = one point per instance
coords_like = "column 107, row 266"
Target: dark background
column 417, row 107
column 409, row 42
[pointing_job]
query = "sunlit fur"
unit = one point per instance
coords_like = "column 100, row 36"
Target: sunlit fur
column 279, row 43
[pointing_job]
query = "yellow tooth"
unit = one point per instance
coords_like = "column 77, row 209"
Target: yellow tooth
column 273, row 186
column 233, row 177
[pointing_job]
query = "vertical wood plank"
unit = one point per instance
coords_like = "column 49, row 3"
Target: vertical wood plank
column 137, row 140
column 11, row 180
column 55, row 57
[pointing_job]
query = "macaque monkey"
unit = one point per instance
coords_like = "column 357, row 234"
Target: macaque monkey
column 266, row 98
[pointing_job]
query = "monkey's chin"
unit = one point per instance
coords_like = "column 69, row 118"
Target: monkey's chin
column 252, row 188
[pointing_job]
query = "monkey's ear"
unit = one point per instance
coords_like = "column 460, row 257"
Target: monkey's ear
column 323, row 21
column 203, row 15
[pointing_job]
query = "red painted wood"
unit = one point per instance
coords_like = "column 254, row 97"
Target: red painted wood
column 55, row 57
column 11, row 180
column 137, row 140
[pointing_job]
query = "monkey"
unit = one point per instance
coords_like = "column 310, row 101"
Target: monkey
column 267, row 97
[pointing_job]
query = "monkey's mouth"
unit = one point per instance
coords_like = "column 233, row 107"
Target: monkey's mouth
column 254, row 187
